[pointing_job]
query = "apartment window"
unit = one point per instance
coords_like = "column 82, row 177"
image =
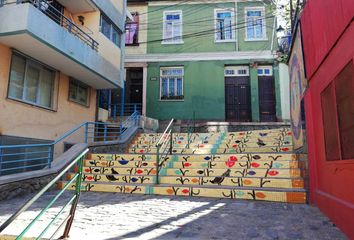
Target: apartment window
column 132, row 31
column 31, row 82
column 337, row 102
column 79, row 92
column 255, row 24
column 236, row 71
column 110, row 30
column 171, row 83
column 224, row 21
column 172, row 27
column 265, row 71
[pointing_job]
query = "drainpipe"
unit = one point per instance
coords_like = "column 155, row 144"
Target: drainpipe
column 122, row 47
column 236, row 30
column 273, row 34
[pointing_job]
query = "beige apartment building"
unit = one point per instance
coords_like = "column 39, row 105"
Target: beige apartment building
column 54, row 57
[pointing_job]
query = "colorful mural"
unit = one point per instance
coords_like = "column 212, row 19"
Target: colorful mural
column 298, row 86
column 268, row 176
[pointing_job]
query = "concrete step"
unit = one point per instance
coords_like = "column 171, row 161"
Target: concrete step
column 193, row 165
column 247, row 193
column 259, row 172
column 215, row 145
column 196, row 157
column 220, row 181
column 274, row 149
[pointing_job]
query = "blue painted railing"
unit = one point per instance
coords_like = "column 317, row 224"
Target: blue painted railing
column 126, row 109
column 29, row 157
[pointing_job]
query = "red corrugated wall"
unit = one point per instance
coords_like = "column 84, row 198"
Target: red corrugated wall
column 328, row 43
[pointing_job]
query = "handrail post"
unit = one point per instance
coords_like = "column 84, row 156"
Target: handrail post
column 115, row 112
column 104, row 133
column 120, row 131
column 86, row 132
column 50, row 155
column 1, row 152
column 157, row 164
column 171, row 140
column 136, row 118
column 76, row 201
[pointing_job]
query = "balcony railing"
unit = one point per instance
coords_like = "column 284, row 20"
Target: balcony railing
column 58, row 17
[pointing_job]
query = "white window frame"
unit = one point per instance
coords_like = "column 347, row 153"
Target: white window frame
column 161, row 76
column 263, row 68
column 233, row 28
column 165, row 13
column 236, row 71
column 262, row 10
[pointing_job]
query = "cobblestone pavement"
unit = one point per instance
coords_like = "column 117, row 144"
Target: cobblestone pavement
column 119, row 216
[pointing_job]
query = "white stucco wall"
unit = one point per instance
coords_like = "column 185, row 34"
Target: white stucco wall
column 284, row 91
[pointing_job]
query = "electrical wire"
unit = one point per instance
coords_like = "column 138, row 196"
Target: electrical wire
column 204, row 32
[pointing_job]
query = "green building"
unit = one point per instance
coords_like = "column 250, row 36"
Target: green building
column 214, row 60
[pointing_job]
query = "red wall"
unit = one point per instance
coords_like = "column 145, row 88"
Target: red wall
column 322, row 22
column 328, row 43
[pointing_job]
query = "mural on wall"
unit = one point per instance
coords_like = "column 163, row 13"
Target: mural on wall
column 298, row 84
column 251, row 175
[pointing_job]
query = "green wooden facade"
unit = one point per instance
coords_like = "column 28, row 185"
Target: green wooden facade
column 204, row 80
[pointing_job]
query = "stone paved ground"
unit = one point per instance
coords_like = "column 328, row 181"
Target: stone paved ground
column 117, row 216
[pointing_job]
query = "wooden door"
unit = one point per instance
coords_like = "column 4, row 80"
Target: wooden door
column 134, row 86
column 238, row 99
column 267, row 102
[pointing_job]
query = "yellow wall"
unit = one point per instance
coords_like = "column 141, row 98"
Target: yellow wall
column 24, row 120
column 143, row 19
column 106, row 48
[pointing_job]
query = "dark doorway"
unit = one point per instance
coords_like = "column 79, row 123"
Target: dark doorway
column 134, row 86
column 238, row 99
column 267, row 102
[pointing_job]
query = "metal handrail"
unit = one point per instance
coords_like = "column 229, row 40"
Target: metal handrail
column 116, row 110
column 73, row 201
column 166, row 137
column 93, row 132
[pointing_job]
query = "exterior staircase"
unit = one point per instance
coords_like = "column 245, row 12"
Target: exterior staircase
column 254, row 165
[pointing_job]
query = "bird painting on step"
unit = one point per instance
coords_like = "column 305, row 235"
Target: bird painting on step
column 260, row 143
column 112, row 177
column 219, row 180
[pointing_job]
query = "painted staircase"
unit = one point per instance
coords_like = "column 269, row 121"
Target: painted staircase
column 254, row 165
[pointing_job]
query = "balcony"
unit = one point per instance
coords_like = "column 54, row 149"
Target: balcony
column 37, row 29
column 78, row 6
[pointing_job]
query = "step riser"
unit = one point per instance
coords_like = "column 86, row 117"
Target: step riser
column 227, row 134
column 281, row 173
column 186, row 165
column 217, row 151
column 196, row 158
column 207, row 181
column 289, row 197
column 194, row 140
column 209, row 146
